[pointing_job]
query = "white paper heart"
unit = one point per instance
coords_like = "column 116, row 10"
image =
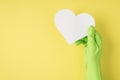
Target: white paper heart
column 73, row 27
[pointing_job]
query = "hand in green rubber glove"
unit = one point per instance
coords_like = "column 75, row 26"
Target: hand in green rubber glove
column 93, row 50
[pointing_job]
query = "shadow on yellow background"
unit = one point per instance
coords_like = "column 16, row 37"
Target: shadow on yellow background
column 31, row 48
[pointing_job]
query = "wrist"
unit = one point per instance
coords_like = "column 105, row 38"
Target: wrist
column 93, row 61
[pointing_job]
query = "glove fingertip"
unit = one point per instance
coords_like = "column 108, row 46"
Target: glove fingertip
column 91, row 30
column 91, row 34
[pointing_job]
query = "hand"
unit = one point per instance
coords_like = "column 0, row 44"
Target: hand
column 93, row 44
column 93, row 50
column 93, row 47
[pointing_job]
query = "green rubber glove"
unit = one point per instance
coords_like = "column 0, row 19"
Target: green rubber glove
column 93, row 50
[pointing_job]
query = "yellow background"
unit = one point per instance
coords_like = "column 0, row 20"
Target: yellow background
column 31, row 48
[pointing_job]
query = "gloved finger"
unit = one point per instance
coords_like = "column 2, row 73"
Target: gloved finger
column 81, row 41
column 91, row 36
column 98, row 39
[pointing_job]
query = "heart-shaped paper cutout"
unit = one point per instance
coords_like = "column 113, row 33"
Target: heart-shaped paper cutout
column 73, row 27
